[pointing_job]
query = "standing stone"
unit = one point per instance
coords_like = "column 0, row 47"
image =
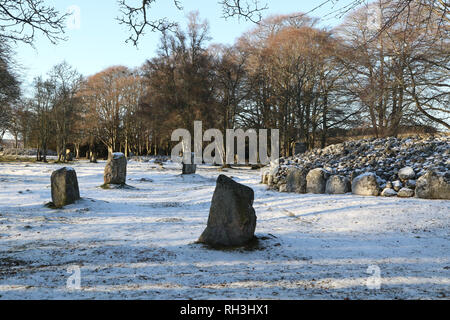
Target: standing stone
column 433, row 185
column 64, row 187
column 116, row 169
column 366, row 184
column 296, row 180
column 299, row 148
column 338, row 185
column 316, row 180
column 232, row 219
column 190, row 168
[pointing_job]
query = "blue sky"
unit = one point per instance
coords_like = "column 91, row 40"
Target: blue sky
column 99, row 41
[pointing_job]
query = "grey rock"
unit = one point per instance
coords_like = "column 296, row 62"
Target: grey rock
column 405, row 193
column 397, row 185
column 296, row 180
column 433, row 185
column 406, row 173
column 366, row 184
column 388, row 192
column 116, row 169
column 338, row 185
column 232, row 219
column 64, row 184
column 411, row 184
column 316, row 181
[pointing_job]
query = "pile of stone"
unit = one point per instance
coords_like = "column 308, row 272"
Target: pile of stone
column 389, row 167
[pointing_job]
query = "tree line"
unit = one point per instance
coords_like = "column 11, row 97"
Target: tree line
column 287, row 73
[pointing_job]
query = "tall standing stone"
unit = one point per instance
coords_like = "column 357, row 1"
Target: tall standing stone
column 232, row 219
column 64, row 186
column 116, row 169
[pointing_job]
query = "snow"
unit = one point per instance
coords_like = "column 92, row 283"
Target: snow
column 140, row 243
column 118, row 155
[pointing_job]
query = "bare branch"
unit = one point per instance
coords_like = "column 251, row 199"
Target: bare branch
column 20, row 20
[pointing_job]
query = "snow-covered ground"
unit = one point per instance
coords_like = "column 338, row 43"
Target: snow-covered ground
column 140, row 243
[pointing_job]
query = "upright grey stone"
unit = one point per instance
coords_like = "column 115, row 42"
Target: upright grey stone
column 296, row 180
column 232, row 219
column 299, row 148
column 338, row 185
column 433, row 185
column 116, row 169
column 316, row 180
column 189, row 168
column 64, row 185
column 366, row 184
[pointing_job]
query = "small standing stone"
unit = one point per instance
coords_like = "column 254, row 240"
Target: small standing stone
column 190, row 168
column 232, row 219
column 116, row 169
column 64, row 185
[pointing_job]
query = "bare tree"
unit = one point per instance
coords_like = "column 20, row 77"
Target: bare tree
column 20, row 20
column 138, row 18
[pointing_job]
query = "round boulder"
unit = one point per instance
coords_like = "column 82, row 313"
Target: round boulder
column 388, row 192
column 406, row 173
column 405, row 193
column 433, row 185
column 338, row 185
column 366, row 184
column 316, row 180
